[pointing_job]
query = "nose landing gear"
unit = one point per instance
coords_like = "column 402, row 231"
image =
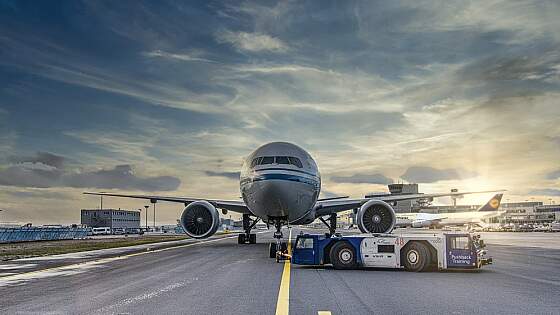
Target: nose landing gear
column 278, row 249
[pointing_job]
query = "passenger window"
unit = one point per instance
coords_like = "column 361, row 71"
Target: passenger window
column 282, row 160
column 267, row 160
column 304, row 243
column 295, row 161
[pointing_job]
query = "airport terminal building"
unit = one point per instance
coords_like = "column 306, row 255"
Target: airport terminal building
column 113, row 218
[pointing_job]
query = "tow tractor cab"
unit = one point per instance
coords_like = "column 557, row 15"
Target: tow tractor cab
column 413, row 252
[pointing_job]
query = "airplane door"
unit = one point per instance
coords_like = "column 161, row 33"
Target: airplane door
column 459, row 251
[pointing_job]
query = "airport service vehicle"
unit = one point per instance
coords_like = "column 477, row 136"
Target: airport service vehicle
column 412, row 252
column 101, row 231
column 280, row 185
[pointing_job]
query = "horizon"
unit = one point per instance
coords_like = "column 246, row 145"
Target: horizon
column 168, row 98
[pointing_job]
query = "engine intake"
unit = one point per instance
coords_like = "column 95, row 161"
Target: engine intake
column 376, row 216
column 200, row 219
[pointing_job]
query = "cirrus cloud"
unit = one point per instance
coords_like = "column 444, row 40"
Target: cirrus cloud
column 252, row 42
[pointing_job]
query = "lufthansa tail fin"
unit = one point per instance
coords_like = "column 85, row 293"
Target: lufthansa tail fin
column 493, row 204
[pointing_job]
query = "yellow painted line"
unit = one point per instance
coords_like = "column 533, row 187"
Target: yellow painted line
column 283, row 304
column 324, row 313
column 105, row 260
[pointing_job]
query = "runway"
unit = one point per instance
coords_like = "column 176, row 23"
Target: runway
column 219, row 276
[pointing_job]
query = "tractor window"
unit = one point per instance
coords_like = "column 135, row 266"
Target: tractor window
column 304, row 243
column 460, row 242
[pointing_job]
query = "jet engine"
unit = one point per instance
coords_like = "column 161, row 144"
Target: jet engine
column 376, row 216
column 200, row 219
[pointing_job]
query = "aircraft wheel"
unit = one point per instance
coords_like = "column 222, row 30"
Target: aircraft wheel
column 241, row 239
column 343, row 256
column 252, row 238
column 416, row 257
column 272, row 250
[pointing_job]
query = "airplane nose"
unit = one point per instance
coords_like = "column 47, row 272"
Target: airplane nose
column 275, row 197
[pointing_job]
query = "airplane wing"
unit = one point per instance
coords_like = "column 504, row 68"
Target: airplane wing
column 230, row 205
column 326, row 207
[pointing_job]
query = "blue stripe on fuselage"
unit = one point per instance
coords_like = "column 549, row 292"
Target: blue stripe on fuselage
column 279, row 176
column 285, row 169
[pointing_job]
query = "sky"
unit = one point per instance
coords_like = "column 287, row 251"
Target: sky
column 168, row 97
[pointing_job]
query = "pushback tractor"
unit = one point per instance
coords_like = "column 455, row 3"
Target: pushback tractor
column 412, row 252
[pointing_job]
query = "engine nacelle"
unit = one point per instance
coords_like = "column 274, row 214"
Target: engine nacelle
column 376, row 216
column 200, row 219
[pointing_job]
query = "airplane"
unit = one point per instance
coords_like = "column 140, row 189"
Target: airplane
column 420, row 219
column 280, row 185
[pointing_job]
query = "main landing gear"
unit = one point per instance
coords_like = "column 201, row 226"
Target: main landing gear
column 331, row 224
column 279, row 248
column 248, row 237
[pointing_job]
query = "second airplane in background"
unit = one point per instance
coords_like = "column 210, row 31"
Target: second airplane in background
column 478, row 217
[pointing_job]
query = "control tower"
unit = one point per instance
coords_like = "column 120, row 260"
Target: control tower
column 403, row 189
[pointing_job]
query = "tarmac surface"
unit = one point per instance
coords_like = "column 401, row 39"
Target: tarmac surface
column 217, row 276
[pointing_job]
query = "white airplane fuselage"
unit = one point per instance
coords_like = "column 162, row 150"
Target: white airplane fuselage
column 280, row 180
column 451, row 218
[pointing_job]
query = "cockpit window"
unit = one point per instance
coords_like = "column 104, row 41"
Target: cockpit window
column 286, row 160
column 255, row 162
column 282, row 160
column 295, row 161
column 267, row 160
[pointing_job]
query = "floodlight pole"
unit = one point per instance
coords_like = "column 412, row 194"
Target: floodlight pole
column 146, row 206
column 154, row 202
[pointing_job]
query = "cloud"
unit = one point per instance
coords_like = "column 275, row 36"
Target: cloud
column 545, row 192
column 47, row 170
column 425, row 174
column 39, row 194
column 121, row 177
column 363, row 179
column 252, row 42
column 180, row 57
column 230, row 175
column 45, row 158
column 553, row 175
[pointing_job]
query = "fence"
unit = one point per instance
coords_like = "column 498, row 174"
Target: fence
column 27, row 234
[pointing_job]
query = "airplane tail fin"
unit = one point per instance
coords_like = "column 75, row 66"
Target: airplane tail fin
column 493, row 204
